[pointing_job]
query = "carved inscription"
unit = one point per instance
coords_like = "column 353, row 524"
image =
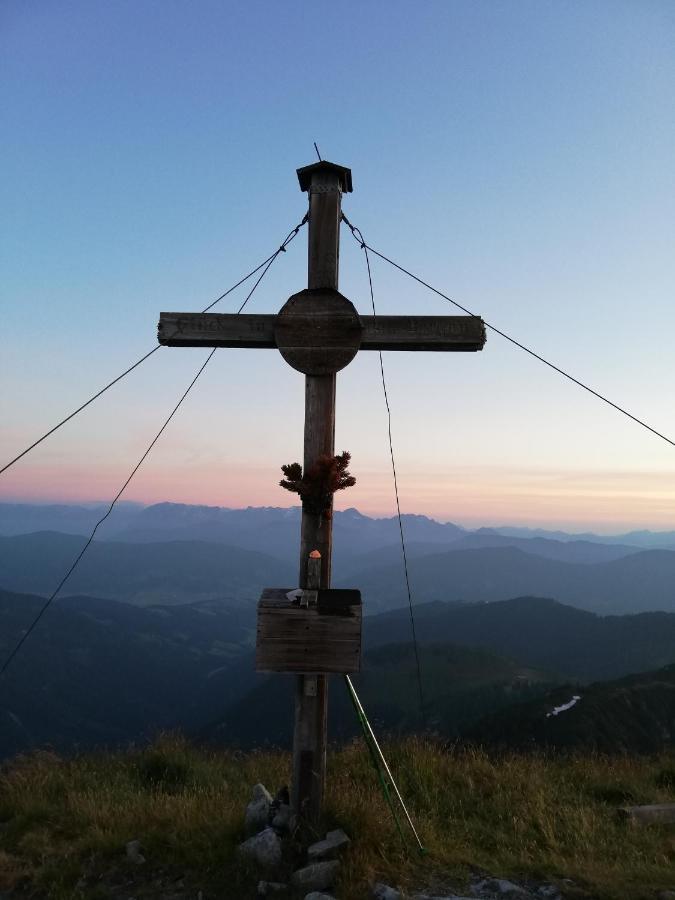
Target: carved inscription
column 453, row 333
column 418, row 325
column 216, row 330
column 203, row 324
column 320, row 331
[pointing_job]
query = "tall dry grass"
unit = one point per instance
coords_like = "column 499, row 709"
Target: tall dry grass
column 65, row 823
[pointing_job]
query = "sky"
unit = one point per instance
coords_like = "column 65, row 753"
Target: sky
column 518, row 155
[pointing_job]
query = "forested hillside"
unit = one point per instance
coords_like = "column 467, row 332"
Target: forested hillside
column 632, row 715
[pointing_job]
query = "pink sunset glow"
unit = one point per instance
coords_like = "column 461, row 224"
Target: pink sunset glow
column 604, row 502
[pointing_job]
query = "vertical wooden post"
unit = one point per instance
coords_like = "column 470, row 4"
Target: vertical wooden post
column 309, row 738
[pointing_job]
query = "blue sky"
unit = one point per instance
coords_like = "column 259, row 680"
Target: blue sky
column 516, row 154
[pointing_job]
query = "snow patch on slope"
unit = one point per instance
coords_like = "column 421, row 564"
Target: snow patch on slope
column 565, row 706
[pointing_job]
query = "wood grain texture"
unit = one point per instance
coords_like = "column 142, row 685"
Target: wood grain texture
column 318, row 332
column 178, row 329
column 316, row 530
column 435, row 333
column 311, row 691
column 325, row 324
column 320, row 639
column 325, row 210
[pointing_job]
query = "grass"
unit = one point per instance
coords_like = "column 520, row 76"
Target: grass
column 64, row 823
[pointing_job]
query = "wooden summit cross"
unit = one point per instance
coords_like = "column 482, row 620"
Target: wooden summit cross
column 318, row 332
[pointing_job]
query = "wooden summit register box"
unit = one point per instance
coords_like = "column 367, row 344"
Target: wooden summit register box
column 297, row 633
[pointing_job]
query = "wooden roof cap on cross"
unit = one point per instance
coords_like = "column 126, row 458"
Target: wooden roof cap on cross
column 306, row 172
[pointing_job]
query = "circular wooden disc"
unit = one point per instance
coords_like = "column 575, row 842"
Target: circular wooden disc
column 318, row 332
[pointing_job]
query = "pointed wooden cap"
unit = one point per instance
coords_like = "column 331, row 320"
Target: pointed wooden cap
column 324, row 167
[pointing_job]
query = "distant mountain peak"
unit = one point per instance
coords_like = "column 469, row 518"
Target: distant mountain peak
column 352, row 513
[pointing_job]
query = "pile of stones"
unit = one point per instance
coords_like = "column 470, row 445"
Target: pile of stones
column 272, row 846
column 270, row 822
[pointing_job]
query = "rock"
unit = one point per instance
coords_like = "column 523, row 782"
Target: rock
column 435, row 897
column 334, row 842
column 260, row 792
column 384, row 892
column 282, row 796
column 283, row 819
column 271, row 888
column 499, row 887
column 551, row 892
column 666, row 895
column 258, row 810
column 263, row 849
column 510, row 888
column 316, row 877
column 316, row 895
column 134, row 854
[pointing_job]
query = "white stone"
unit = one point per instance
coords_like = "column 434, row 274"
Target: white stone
column 258, row 810
column 260, row 792
column 317, row 876
column 334, row 842
column 509, row 887
column 134, row 854
column 500, row 886
column 384, row 892
column 263, row 849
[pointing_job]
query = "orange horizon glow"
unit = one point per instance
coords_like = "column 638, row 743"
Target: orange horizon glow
column 473, row 497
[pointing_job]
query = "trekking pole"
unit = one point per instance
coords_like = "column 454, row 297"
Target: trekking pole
column 377, row 751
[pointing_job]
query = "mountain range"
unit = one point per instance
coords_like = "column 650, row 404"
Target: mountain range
column 173, row 572
column 99, row 672
column 640, row 581
column 178, row 521
column 184, row 571
column 541, row 633
column 156, row 626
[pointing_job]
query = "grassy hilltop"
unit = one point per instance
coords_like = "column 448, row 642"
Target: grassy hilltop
column 65, row 823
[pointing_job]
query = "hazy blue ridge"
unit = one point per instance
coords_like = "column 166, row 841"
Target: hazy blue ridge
column 639, row 581
column 182, row 571
column 172, row 572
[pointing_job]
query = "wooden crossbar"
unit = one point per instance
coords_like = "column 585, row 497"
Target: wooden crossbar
column 439, row 333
